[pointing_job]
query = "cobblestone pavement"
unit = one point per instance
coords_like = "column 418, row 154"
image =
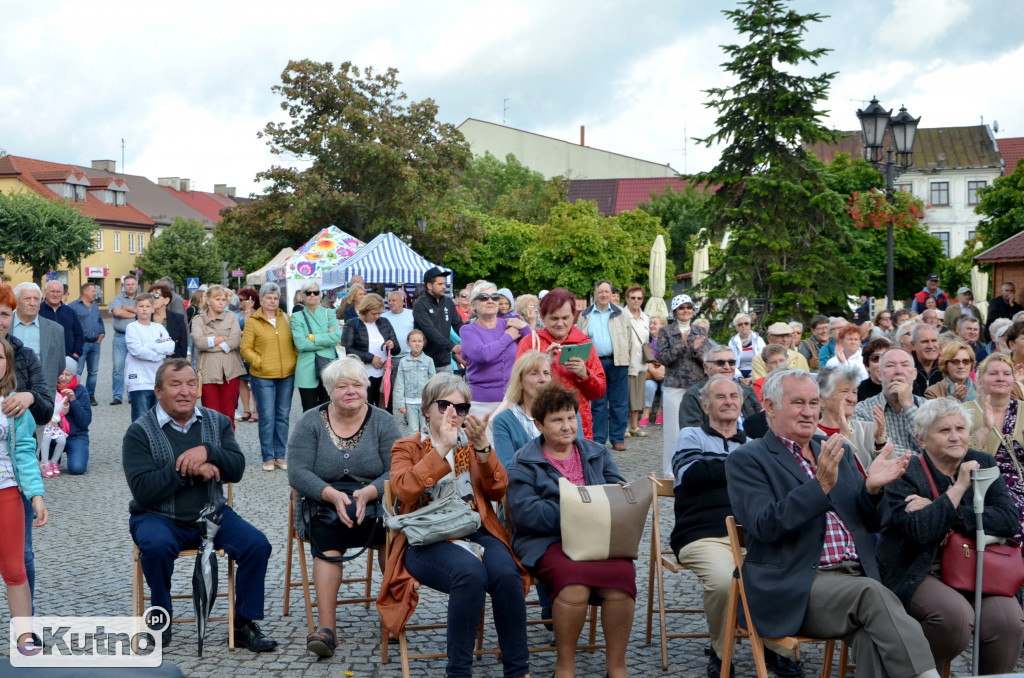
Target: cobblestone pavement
column 84, row 560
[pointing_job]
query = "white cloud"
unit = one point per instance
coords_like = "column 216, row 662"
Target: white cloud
column 913, row 25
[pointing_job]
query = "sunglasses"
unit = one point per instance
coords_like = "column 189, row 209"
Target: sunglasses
column 960, row 362
column 463, row 295
column 876, row 357
column 722, row 363
column 312, row 293
column 155, row 295
column 461, row 409
column 885, row 317
column 486, row 297
column 742, row 324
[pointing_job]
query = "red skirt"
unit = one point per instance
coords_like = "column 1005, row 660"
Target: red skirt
column 557, row 571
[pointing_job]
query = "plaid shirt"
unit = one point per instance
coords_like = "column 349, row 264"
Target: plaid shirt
column 899, row 426
column 839, row 544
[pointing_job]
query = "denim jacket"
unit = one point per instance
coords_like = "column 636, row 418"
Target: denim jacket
column 412, row 375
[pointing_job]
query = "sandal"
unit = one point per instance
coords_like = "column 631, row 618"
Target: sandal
column 321, row 643
column 637, row 433
column 246, row 416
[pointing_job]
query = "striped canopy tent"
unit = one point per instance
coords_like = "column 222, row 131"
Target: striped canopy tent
column 385, row 260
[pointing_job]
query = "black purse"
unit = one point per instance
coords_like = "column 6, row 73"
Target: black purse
column 326, row 514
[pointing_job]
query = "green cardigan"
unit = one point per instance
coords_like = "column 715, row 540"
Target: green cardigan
column 316, row 323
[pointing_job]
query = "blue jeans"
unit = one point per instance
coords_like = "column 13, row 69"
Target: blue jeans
column 142, row 402
column 91, row 357
column 120, row 354
column 160, row 539
column 274, row 403
column 651, row 389
column 451, row 569
column 78, row 454
column 30, row 556
column 611, row 412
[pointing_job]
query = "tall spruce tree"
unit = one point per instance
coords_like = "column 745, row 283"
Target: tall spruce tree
column 787, row 244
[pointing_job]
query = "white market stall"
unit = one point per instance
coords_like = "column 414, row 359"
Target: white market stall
column 385, row 260
column 259, row 277
column 325, row 250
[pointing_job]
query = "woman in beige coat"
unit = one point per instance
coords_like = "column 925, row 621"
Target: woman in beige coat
column 215, row 338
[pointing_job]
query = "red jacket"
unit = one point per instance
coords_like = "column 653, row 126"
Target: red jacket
column 591, row 388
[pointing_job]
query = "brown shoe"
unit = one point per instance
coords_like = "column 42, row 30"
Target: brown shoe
column 619, row 447
column 281, row 464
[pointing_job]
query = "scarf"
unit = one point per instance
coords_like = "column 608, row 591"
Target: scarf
column 971, row 395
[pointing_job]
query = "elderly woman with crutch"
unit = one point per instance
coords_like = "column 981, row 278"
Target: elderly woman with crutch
column 932, row 499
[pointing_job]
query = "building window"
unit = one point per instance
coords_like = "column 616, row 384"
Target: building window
column 119, row 198
column 142, row 242
column 79, row 193
column 940, row 194
column 943, row 237
column 99, row 240
column 131, row 243
column 972, row 191
column 909, row 188
column 970, row 235
column 117, row 241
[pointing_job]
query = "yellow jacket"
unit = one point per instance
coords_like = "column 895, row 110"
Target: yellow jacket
column 269, row 350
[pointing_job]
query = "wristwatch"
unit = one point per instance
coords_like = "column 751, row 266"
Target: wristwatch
column 486, row 450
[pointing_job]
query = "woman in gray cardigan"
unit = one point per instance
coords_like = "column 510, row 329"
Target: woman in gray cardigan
column 915, row 527
column 343, row 440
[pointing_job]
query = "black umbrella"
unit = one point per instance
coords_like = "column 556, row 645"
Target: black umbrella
column 204, row 575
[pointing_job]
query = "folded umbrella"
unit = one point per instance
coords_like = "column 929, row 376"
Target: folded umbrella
column 204, row 574
column 385, row 386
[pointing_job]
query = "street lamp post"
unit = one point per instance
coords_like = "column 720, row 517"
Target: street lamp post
column 874, row 123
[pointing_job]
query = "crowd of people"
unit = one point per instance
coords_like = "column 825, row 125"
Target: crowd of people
column 845, row 452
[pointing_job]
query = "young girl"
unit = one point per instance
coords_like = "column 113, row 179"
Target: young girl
column 57, row 429
column 19, row 474
column 414, row 371
column 148, row 345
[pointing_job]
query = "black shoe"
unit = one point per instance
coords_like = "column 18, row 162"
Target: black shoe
column 783, row 667
column 715, row 664
column 115, row 401
column 165, row 638
column 249, row 636
column 92, row 401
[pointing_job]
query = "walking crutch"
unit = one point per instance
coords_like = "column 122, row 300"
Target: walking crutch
column 981, row 480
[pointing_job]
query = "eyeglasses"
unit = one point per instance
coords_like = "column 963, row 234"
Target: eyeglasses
column 312, row 293
column 463, row 295
column 486, row 297
column 636, row 298
column 876, row 357
column 960, row 362
column 461, row 409
column 155, row 295
column 742, row 324
column 722, row 363
column 885, row 317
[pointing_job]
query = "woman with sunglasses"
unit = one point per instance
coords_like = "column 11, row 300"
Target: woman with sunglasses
column 872, row 354
column 745, row 344
column 372, row 339
column 468, row 568
column 956, row 362
column 174, row 323
column 314, row 333
column 489, row 349
column 216, row 337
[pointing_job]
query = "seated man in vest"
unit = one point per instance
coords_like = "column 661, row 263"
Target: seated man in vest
column 699, row 538
column 807, row 513
column 176, row 457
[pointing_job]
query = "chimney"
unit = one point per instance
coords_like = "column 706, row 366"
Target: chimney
column 231, row 191
column 105, row 165
column 582, row 128
column 221, row 189
column 186, row 185
column 170, row 182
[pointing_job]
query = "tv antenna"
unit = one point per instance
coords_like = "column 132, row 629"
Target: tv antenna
column 505, row 109
column 122, row 155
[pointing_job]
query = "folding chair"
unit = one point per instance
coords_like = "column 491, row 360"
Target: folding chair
column 403, row 642
column 734, row 632
column 139, row 595
column 297, row 543
column 662, row 559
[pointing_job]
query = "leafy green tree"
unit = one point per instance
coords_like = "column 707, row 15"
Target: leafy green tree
column 510, row 190
column 787, row 244
column 41, row 234
column 182, row 251
column 1002, row 206
column 373, row 162
column 683, row 213
column 497, row 256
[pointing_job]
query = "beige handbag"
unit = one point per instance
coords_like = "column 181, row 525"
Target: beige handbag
column 602, row 522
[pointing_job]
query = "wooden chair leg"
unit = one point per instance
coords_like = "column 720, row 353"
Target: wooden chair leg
column 231, row 604
column 826, row 659
column 285, row 609
column 403, row 648
column 731, row 625
column 757, row 648
column 660, row 577
column 370, row 553
column 307, row 597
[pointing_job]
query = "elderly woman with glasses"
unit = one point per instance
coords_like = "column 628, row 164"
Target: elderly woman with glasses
column 956, row 363
column 745, row 344
column 371, row 339
column 455, row 450
column 837, row 389
column 489, row 348
column 314, row 333
column 871, row 355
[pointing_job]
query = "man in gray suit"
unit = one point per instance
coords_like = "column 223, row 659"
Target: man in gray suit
column 43, row 336
column 807, row 514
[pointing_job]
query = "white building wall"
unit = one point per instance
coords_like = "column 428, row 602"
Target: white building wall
column 554, row 157
column 957, row 220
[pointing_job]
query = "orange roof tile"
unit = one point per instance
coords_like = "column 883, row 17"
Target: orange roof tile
column 1010, row 249
column 201, row 201
column 1012, row 150
column 632, row 192
column 29, row 171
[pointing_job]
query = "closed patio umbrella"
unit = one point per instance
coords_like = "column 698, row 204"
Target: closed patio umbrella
column 656, row 278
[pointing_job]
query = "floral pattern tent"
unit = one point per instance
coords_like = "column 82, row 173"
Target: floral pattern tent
column 325, row 250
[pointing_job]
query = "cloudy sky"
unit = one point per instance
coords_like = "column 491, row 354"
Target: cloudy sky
column 187, row 84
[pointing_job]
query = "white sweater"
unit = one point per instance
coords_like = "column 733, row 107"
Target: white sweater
column 148, row 345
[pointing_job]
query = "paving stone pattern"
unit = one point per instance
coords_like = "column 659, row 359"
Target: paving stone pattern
column 84, row 562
